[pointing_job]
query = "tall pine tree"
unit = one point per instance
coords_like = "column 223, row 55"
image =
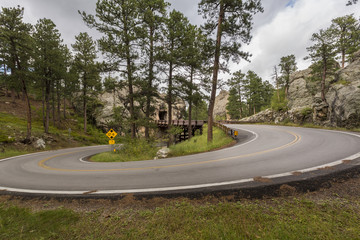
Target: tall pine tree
column 322, row 54
column 86, row 68
column 48, row 61
column 118, row 21
column 152, row 17
column 17, row 50
column 232, row 20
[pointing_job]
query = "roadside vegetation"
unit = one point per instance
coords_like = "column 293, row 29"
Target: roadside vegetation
column 281, row 218
column 199, row 143
column 141, row 149
column 130, row 150
column 67, row 133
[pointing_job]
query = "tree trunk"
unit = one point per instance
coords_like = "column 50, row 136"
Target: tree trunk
column 58, row 100
column 130, row 78
column 13, row 95
column 190, row 103
column 323, row 83
column 64, row 107
column 47, row 103
column 53, row 103
column 277, row 83
column 215, row 73
column 85, row 108
column 28, row 111
column 240, row 101
column 43, row 104
column 343, row 58
column 169, row 100
column 150, row 82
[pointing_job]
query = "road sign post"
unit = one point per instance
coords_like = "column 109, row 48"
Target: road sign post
column 111, row 134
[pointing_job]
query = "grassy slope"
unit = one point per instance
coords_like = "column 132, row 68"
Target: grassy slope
column 141, row 150
column 13, row 130
column 199, row 144
column 296, row 218
column 133, row 150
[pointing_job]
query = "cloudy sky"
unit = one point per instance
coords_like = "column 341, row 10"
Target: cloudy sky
column 284, row 28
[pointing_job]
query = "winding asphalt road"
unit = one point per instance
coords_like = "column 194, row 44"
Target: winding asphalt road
column 267, row 151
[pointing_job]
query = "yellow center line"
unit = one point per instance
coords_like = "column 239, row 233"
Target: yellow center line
column 43, row 165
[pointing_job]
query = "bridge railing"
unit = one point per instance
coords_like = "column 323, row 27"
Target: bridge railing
column 180, row 122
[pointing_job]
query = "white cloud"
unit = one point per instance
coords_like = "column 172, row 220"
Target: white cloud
column 284, row 28
column 289, row 32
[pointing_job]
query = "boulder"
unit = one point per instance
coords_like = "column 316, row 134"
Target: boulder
column 162, row 153
column 39, row 144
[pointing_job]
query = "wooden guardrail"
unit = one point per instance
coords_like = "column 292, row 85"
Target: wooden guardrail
column 229, row 131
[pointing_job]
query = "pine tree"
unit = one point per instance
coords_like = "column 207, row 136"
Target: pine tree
column 278, row 82
column 345, row 30
column 233, row 21
column 195, row 58
column 118, row 21
column 254, row 91
column 152, row 17
column 172, row 54
column 287, row 67
column 17, row 50
column 237, row 83
column 322, row 54
column 69, row 79
column 86, row 67
column 233, row 106
column 48, row 62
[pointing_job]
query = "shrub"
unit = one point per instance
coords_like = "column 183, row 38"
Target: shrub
column 306, row 111
column 279, row 103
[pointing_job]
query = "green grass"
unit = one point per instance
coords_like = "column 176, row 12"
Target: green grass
column 13, row 129
column 272, row 219
column 199, row 144
column 20, row 223
column 138, row 150
column 12, row 153
column 132, row 150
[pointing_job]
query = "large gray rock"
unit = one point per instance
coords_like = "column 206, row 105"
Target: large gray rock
column 220, row 104
column 162, row 153
column 299, row 94
column 119, row 99
column 343, row 96
column 39, row 144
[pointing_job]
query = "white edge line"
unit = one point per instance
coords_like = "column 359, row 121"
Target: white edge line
column 146, row 190
column 40, row 153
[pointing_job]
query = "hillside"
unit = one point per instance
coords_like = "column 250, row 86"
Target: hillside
column 67, row 133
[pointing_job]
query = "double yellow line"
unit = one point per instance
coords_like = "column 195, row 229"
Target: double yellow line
column 43, row 165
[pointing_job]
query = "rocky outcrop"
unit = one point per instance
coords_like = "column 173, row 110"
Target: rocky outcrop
column 220, row 105
column 118, row 99
column 342, row 105
column 295, row 115
column 299, row 93
column 343, row 96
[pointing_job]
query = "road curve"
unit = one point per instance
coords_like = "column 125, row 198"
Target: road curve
column 267, row 151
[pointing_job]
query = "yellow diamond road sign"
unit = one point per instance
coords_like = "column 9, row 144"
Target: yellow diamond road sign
column 111, row 134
